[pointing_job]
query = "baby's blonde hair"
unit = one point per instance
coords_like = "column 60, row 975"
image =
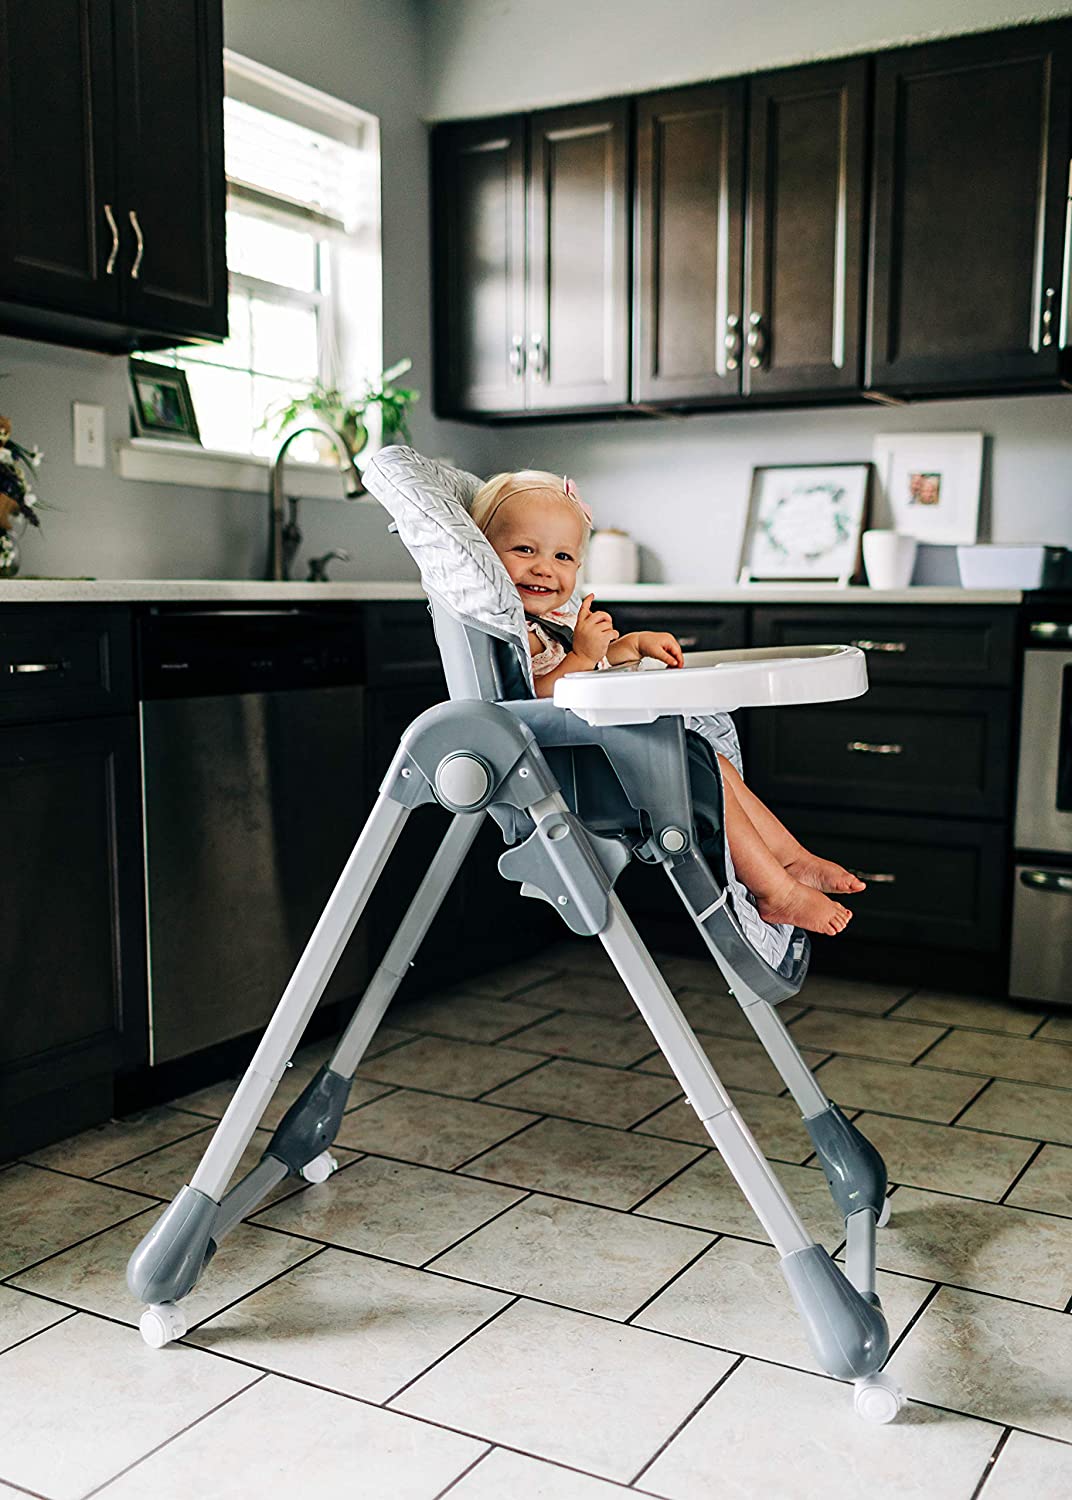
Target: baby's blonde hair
column 502, row 487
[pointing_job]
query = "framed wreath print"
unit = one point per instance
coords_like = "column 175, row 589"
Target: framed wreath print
column 804, row 523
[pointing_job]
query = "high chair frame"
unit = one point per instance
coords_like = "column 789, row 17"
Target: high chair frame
column 527, row 763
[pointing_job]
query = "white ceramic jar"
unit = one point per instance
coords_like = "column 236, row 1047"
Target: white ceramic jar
column 612, row 557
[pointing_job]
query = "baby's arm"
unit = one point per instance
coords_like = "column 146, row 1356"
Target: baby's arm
column 657, row 643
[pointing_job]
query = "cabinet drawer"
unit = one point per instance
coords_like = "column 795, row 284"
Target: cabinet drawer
column 930, row 883
column 922, row 750
column 401, row 645
column 957, row 644
column 709, row 628
column 64, row 663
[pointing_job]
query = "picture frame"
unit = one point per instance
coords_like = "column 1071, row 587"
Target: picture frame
column 804, row 523
column 160, row 403
column 929, row 484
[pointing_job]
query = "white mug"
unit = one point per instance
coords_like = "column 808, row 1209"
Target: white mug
column 889, row 559
column 611, row 558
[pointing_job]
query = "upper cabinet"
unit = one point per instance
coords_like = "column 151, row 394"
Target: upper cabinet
column 532, row 262
column 111, row 166
column 971, row 192
column 749, row 281
column 897, row 224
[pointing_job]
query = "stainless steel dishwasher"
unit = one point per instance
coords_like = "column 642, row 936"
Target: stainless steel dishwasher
column 253, row 756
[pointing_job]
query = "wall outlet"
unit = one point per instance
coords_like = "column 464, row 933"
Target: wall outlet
column 88, row 435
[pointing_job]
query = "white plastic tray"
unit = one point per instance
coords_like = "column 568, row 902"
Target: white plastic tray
column 767, row 677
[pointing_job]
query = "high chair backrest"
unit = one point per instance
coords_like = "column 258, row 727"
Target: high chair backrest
column 476, row 610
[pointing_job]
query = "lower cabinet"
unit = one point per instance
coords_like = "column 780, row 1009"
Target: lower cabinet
column 72, row 983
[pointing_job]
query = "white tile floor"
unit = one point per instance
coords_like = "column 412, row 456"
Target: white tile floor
column 533, row 1280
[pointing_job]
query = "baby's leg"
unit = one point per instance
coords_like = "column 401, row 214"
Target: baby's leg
column 808, row 868
column 779, row 897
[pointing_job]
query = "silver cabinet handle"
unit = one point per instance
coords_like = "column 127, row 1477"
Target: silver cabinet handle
column 140, row 240
column 732, row 341
column 686, row 642
column 517, row 356
column 539, row 356
column 880, row 645
column 114, row 227
column 757, row 341
column 875, row 877
column 1047, row 318
column 1049, row 630
column 1046, row 880
column 17, row 668
column 861, row 747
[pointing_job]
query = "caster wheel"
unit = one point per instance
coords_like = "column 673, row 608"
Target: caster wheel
column 162, row 1323
column 884, row 1215
column 320, row 1168
column 878, row 1398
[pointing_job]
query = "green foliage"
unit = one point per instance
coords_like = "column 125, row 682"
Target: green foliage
column 347, row 415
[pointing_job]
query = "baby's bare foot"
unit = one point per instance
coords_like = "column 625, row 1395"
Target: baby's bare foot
column 804, row 906
column 823, row 874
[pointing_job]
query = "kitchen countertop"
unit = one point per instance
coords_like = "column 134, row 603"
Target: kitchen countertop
column 167, row 590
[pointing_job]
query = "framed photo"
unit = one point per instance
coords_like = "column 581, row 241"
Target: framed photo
column 160, row 404
column 804, row 523
column 930, row 482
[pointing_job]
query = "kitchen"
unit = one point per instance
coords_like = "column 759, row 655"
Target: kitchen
column 926, row 1013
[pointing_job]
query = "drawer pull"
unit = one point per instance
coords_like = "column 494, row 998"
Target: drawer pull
column 686, row 642
column 881, row 645
column 1046, row 880
column 19, row 667
column 877, row 877
column 861, row 747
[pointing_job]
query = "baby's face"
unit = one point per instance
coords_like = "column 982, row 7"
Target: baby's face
column 539, row 538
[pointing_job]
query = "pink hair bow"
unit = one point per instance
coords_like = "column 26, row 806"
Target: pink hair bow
column 571, row 490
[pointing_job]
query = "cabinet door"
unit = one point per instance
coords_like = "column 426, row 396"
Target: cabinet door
column 479, row 172
column 805, row 262
column 72, row 984
column 687, row 273
column 56, row 168
column 970, row 189
column 578, row 259
column 169, row 132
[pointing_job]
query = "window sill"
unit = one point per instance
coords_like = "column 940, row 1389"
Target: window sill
column 161, row 462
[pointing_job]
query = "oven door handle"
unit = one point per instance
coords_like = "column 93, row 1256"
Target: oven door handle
column 1047, row 880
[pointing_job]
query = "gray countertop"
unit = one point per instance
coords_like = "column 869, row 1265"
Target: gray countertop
column 163, row 590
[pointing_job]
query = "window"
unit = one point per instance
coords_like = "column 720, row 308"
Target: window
column 303, row 256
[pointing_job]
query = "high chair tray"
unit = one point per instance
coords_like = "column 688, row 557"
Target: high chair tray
column 766, row 677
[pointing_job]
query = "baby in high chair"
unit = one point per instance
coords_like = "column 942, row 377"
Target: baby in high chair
column 539, row 527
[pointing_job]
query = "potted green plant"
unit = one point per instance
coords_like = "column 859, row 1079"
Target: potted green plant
column 347, row 414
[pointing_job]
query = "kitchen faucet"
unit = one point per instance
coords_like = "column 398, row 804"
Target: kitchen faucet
column 283, row 540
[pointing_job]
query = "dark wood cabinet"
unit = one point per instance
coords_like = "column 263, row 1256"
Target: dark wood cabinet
column 971, row 165
column 804, row 267
column 532, row 263
column 689, row 243
column 750, row 284
column 111, row 168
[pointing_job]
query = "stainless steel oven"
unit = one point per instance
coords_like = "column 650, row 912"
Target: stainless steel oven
column 1041, row 961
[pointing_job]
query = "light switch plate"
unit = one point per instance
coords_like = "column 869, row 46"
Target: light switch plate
column 88, row 435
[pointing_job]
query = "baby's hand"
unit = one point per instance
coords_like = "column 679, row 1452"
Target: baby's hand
column 662, row 646
column 593, row 632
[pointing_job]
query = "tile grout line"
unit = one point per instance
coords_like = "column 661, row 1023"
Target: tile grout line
column 477, row 1461
column 1028, row 1164
column 429, row 1264
column 629, row 1321
column 459, row 1170
column 480, row 1327
column 693, row 1413
column 989, row 1466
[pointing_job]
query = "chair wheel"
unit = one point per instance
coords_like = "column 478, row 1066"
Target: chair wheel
column 161, row 1323
column 878, row 1398
column 884, row 1215
column 320, row 1168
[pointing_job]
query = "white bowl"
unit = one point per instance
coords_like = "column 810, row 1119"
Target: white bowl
column 1001, row 566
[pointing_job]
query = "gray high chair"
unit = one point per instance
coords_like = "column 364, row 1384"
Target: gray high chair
column 579, row 784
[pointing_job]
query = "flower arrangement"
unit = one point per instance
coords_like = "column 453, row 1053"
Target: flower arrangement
column 347, row 415
column 18, row 502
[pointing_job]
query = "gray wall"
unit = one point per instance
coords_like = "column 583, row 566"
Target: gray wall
column 681, row 486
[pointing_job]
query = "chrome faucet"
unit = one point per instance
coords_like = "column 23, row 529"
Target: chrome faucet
column 283, row 540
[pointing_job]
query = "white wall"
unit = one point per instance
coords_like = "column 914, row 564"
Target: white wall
column 487, row 57
column 681, row 485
